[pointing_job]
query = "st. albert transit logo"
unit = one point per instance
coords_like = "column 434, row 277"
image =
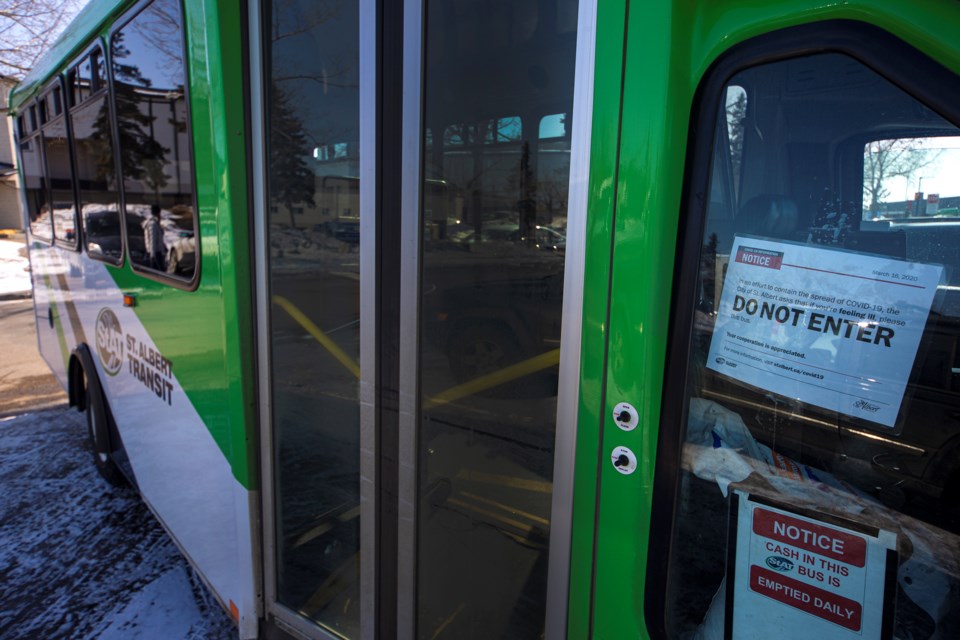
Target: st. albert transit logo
column 109, row 341
column 779, row 563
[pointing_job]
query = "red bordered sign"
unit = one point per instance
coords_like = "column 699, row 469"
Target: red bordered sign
column 800, row 574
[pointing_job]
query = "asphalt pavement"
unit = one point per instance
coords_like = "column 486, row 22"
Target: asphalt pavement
column 25, row 379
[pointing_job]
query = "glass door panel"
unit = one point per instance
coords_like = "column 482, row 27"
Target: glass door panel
column 313, row 240
column 496, row 156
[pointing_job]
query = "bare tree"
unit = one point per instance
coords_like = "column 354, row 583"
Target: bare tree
column 28, row 28
column 885, row 159
column 736, row 119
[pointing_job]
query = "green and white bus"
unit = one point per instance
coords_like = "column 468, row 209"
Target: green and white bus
column 517, row 318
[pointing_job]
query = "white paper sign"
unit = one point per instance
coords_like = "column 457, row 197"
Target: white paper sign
column 796, row 576
column 832, row 328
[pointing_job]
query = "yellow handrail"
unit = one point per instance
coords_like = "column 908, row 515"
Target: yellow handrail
column 315, row 331
column 482, row 383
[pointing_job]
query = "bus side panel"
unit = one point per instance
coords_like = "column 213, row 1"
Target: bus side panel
column 51, row 269
column 178, row 466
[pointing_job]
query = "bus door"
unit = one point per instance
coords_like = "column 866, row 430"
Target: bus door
column 411, row 306
column 781, row 442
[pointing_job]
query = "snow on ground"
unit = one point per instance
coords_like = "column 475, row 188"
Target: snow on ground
column 14, row 268
column 80, row 558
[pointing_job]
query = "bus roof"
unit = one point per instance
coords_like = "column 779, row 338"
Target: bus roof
column 75, row 37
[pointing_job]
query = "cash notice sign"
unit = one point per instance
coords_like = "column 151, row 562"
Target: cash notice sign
column 832, row 328
column 799, row 575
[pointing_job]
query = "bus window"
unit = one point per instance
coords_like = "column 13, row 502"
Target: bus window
column 822, row 390
column 553, row 126
column 896, row 171
column 35, row 186
column 150, row 105
column 98, row 72
column 72, row 100
column 43, row 108
column 57, row 102
column 84, row 80
column 553, row 174
column 97, row 179
column 56, row 153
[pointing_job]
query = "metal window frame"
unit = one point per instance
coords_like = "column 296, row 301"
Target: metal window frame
column 369, row 249
column 568, row 394
column 412, row 136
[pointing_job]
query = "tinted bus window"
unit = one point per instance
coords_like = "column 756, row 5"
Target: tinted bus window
column 56, row 151
column 83, row 81
column 59, row 171
column 97, row 180
column 35, row 186
column 155, row 158
column 822, row 392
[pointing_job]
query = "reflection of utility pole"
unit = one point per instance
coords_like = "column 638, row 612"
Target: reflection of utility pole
column 921, row 202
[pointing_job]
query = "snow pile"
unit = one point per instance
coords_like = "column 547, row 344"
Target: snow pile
column 14, row 269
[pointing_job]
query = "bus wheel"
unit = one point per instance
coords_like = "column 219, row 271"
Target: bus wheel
column 98, row 415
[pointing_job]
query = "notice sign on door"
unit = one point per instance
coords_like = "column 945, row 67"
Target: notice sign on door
column 832, row 328
column 797, row 576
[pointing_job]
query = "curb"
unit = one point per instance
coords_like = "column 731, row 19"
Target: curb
column 16, row 295
column 47, row 405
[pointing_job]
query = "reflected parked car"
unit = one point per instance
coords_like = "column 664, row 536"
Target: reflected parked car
column 102, row 235
column 545, row 238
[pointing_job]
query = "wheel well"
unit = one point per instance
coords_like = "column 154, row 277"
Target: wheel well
column 75, row 385
column 81, row 367
column 951, row 489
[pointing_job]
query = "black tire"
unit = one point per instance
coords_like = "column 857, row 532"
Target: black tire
column 98, row 428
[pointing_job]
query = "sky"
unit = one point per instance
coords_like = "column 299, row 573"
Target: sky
column 941, row 177
column 15, row 34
